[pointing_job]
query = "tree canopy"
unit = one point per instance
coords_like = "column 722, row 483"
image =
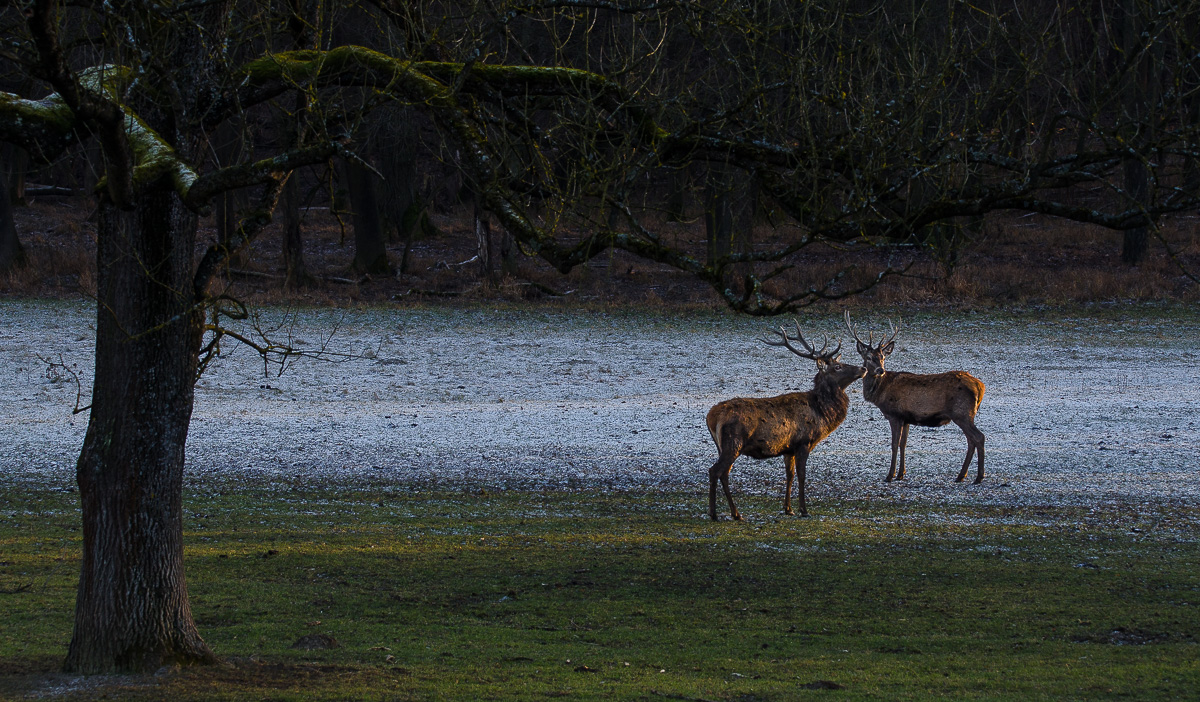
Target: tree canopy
column 863, row 123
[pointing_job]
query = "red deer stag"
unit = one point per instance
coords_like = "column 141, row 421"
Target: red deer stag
column 930, row 400
column 789, row 425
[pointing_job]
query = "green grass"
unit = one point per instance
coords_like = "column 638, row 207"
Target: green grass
column 439, row 595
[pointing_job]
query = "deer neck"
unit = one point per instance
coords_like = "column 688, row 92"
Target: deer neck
column 830, row 401
column 875, row 383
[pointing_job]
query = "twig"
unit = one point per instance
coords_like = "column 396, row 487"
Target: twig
column 276, row 276
column 431, row 293
column 57, row 371
column 255, row 274
column 282, row 353
column 447, row 266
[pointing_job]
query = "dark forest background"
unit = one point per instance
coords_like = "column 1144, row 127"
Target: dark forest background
column 1015, row 259
column 1087, row 114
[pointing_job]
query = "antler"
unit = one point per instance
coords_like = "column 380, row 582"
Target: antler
column 895, row 332
column 812, row 354
column 854, row 332
column 870, row 335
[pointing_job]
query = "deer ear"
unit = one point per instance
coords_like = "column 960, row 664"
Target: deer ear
column 887, row 350
column 862, row 348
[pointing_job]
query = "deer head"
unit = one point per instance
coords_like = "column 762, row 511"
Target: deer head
column 828, row 365
column 873, row 356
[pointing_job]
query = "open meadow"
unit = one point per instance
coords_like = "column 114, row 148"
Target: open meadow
column 494, row 502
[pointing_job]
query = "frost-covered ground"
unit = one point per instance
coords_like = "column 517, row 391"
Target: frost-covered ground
column 1093, row 412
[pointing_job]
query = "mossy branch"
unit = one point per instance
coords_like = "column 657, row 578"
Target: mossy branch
column 44, row 128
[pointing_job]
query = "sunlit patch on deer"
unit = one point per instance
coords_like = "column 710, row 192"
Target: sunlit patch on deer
column 927, row 400
column 788, row 425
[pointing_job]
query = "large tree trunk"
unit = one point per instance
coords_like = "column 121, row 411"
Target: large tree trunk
column 132, row 611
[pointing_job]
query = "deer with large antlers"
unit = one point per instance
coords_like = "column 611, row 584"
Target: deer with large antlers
column 927, row 400
column 788, row 425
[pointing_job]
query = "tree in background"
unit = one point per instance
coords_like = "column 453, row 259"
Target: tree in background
column 12, row 254
column 859, row 123
column 12, row 185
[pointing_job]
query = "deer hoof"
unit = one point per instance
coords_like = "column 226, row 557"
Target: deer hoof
column 978, row 480
column 737, row 516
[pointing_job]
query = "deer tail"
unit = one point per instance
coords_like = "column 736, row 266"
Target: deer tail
column 715, row 430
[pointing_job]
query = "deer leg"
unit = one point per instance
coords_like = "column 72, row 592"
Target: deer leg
column 896, row 429
column 801, row 458
column 962, row 474
column 903, row 448
column 789, row 466
column 720, row 471
column 728, row 496
column 974, row 442
column 979, row 445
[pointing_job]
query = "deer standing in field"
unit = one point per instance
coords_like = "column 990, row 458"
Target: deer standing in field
column 927, row 400
column 788, row 425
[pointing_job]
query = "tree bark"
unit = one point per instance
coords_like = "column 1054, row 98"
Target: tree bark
column 370, row 252
column 483, row 241
column 296, row 271
column 230, row 148
column 1140, row 93
column 676, row 200
column 394, row 141
column 16, row 162
column 12, row 254
column 718, row 222
column 728, row 212
column 1135, row 243
column 300, row 24
column 132, row 612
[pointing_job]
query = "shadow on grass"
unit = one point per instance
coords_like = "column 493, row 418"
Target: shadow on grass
column 584, row 596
